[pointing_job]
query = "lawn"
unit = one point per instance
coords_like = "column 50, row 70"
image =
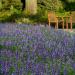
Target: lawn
column 36, row 50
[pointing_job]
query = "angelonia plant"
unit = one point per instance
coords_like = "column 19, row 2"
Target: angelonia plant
column 36, row 50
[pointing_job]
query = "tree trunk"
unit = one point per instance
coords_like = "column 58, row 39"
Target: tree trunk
column 31, row 6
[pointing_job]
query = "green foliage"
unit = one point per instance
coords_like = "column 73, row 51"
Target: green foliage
column 1, row 47
column 63, row 13
column 9, row 15
column 0, row 5
column 6, row 4
column 40, row 17
column 12, row 48
column 71, row 0
column 52, row 5
column 0, row 70
column 69, row 5
column 11, row 10
column 19, row 64
column 11, row 70
column 23, row 20
column 29, row 73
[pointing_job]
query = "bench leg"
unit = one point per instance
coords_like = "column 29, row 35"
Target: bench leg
column 71, row 24
column 49, row 24
column 66, row 24
column 63, row 25
column 56, row 26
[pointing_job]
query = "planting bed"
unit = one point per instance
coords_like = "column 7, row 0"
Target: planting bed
column 36, row 50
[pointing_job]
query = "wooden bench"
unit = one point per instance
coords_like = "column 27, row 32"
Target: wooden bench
column 52, row 18
column 68, row 20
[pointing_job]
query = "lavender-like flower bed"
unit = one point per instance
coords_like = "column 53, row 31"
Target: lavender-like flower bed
column 36, row 50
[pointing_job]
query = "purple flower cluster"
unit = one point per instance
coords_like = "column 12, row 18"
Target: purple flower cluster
column 39, row 50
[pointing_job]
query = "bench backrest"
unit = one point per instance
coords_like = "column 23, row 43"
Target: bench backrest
column 52, row 17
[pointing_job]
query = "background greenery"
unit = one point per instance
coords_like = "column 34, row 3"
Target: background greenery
column 11, row 10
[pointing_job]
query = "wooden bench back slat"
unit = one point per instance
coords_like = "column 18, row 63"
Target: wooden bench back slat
column 53, row 18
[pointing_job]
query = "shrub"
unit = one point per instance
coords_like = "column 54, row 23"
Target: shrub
column 6, row 4
column 10, row 15
column 52, row 5
column 24, row 20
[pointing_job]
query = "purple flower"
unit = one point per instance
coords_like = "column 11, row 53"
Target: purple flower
column 65, row 71
column 8, row 43
column 73, row 65
column 40, row 68
column 37, row 46
column 17, row 55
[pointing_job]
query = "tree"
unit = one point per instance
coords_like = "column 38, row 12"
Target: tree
column 31, row 6
column 69, row 5
column 23, row 4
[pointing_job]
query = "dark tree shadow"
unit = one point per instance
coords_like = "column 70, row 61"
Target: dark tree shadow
column 24, row 4
column 69, row 6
